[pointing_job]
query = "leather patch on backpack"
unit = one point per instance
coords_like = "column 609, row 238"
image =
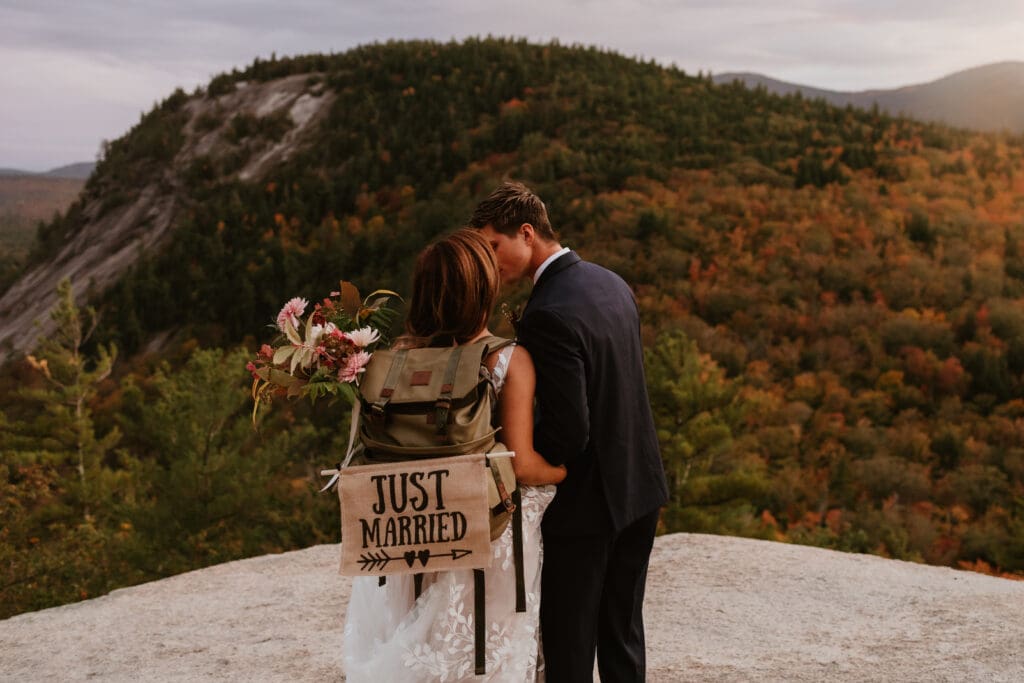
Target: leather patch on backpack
column 420, row 378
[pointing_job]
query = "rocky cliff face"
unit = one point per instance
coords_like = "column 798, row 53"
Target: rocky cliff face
column 106, row 242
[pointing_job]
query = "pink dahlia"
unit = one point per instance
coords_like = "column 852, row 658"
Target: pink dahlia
column 291, row 311
column 355, row 364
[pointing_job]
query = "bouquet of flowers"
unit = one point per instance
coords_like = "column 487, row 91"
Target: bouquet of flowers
column 323, row 354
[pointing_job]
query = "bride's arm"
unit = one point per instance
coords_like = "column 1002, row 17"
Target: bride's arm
column 516, row 411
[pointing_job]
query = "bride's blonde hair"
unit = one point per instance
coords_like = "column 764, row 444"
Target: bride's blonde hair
column 454, row 286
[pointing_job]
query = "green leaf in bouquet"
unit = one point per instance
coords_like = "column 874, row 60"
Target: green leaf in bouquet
column 324, row 383
column 283, row 354
column 283, row 379
column 347, row 392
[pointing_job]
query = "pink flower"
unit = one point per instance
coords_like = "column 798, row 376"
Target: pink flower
column 291, row 311
column 355, row 364
column 266, row 351
column 251, row 367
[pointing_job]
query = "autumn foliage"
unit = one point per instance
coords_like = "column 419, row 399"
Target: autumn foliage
column 832, row 299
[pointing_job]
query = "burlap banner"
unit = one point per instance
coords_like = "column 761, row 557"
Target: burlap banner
column 415, row 516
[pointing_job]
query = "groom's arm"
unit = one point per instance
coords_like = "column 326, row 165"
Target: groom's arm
column 562, row 426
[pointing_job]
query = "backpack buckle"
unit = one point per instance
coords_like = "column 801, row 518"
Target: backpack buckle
column 506, row 500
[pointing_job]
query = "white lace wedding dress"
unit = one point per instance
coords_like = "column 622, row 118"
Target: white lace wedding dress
column 391, row 637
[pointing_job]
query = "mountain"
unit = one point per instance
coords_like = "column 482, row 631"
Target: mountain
column 832, row 301
column 78, row 171
column 989, row 97
column 131, row 204
column 716, row 609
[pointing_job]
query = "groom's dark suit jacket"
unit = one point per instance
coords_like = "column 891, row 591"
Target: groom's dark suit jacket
column 582, row 327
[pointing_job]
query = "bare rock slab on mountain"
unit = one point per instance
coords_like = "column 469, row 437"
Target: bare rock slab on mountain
column 717, row 609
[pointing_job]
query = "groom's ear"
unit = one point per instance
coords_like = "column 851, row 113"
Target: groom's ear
column 528, row 233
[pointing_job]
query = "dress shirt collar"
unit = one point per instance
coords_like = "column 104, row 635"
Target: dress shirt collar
column 547, row 262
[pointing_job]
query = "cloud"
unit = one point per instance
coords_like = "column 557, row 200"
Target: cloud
column 86, row 70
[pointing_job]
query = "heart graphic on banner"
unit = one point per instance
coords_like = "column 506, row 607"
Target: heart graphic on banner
column 410, row 557
column 424, row 555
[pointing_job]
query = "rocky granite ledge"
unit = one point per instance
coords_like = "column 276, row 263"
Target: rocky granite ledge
column 717, row 609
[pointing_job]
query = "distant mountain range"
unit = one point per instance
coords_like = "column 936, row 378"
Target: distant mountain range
column 77, row 171
column 988, row 98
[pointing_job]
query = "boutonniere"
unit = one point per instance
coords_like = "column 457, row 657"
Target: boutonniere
column 512, row 315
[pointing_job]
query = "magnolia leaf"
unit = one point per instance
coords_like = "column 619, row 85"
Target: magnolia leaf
column 290, row 332
column 309, row 328
column 283, row 379
column 350, row 299
column 283, row 353
column 297, row 358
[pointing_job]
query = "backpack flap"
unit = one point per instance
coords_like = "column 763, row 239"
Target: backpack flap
column 419, row 402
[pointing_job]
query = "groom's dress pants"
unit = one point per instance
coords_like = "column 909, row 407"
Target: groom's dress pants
column 592, row 594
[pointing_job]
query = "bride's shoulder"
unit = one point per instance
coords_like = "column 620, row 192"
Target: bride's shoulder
column 512, row 360
column 520, row 360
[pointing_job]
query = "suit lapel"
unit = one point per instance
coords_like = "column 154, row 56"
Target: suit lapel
column 558, row 265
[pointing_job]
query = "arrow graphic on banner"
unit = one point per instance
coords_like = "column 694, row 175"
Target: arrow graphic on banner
column 380, row 559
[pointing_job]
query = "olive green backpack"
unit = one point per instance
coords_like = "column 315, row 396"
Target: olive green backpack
column 437, row 402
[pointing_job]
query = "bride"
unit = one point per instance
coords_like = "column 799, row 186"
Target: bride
column 389, row 636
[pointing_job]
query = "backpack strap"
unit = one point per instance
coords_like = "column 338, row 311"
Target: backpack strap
column 377, row 408
column 494, row 343
column 444, row 401
column 517, row 551
column 417, row 586
column 507, row 501
column 480, row 627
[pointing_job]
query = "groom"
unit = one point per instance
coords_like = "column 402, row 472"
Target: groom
column 582, row 327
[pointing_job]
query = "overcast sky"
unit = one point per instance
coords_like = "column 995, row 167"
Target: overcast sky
column 76, row 72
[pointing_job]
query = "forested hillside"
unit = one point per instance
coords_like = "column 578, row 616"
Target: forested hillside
column 833, row 306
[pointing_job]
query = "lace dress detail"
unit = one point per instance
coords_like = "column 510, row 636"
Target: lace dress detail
column 390, row 637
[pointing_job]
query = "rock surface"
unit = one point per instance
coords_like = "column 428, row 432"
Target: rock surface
column 107, row 243
column 717, row 609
